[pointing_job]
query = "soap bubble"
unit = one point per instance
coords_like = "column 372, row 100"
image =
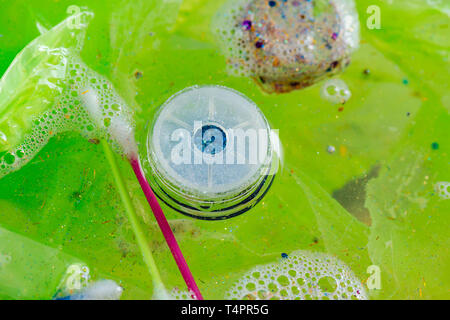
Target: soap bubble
column 288, row 45
column 303, row 275
column 335, row 91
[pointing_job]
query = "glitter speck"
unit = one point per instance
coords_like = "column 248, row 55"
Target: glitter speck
column 307, row 42
column 284, row 255
column 435, row 145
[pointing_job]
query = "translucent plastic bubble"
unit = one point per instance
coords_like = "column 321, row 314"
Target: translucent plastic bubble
column 288, row 45
column 443, row 189
column 302, row 275
column 335, row 91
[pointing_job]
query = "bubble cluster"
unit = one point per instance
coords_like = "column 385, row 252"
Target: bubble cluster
column 443, row 189
column 288, row 45
column 335, row 91
column 302, row 276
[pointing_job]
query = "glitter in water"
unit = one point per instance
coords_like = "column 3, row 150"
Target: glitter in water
column 288, row 45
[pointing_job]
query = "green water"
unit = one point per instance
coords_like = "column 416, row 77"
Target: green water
column 371, row 202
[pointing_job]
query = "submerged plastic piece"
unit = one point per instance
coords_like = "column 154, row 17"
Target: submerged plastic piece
column 211, row 152
column 288, row 45
column 300, row 275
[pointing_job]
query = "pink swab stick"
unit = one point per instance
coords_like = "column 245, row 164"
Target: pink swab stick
column 165, row 229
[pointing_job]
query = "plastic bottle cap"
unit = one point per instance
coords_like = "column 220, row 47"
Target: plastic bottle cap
column 209, row 149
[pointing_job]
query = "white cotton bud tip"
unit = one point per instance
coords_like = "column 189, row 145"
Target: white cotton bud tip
column 87, row 103
column 443, row 189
